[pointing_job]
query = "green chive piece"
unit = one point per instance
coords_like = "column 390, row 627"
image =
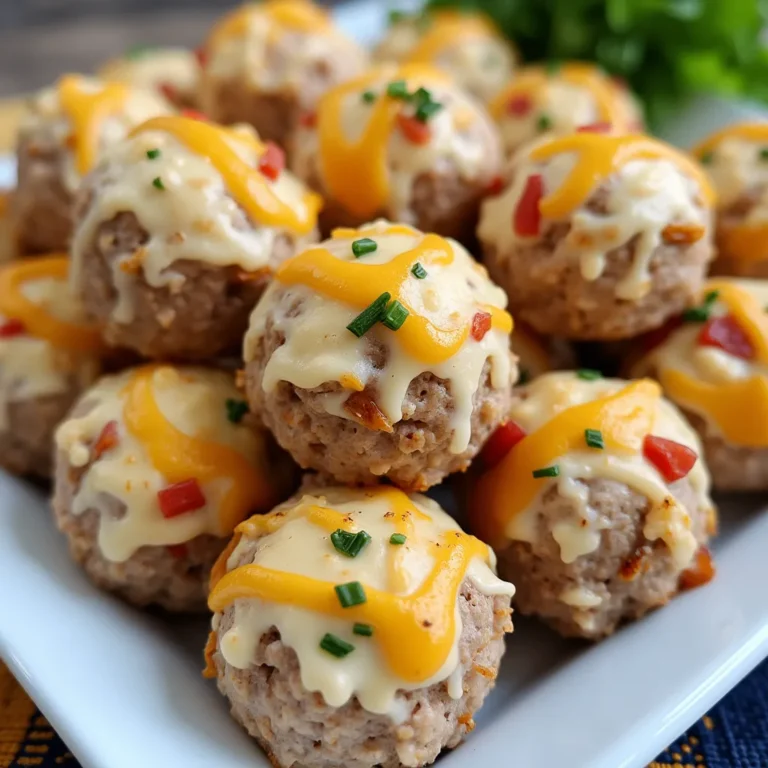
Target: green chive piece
column 137, row 51
column 336, row 646
column 369, row 316
column 153, row 154
column 418, row 271
column 350, row 594
column 366, row 630
column 350, row 544
column 524, row 377
column 236, row 409
column 552, row 471
column 398, row 89
column 157, row 183
column 427, row 110
column 398, row 538
column 764, row 153
column 589, row 374
column 544, row 123
column 594, row 438
column 395, row 316
column 701, row 313
column 363, row 246
column 369, row 97
column 707, row 158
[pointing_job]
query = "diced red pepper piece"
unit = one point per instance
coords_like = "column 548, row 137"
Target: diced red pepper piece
column 177, row 551
column 414, row 130
column 701, row 572
column 106, row 441
column 726, row 333
column 272, row 162
column 599, row 127
column 496, row 185
column 501, row 442
column 308, row 119
column 168, row 90
column 520, row 105
column 194, row 114
column 673, row 460
column 12, row 327
column 527, row 217
column 202, row 56
column 481, row 324
column 180, row 498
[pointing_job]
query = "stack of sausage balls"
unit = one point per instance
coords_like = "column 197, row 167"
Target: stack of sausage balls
column 318, row 271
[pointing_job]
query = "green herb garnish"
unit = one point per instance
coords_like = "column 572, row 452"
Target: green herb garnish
column 137, row 51
column 398, row 89
column 363, row 246
column 366, row 630
column 350, row 594
column 707, row 158
column 552, row 471
column 764, row 154
column 589, row 374
column 398, row 538
column 369, row 97
column 594, row 438
column 336, row 646
column 236, row 409
column 153, row 154
column 157, row 183
column 418, row 271
column 395, row 316
column 369, row 316
column 544, row 123
column 349, row 544
column 701, row 313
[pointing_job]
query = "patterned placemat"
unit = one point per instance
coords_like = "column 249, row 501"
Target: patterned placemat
column 733, row 735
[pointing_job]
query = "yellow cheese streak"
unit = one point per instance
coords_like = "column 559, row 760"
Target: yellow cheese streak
column 447, row 29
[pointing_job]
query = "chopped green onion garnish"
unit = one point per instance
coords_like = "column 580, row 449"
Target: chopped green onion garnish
column 366, row 630
column 349, row 544
column 350, row 594
column 701, row 313
column 764, row 153
column 427, row 110
column 363, row 246
column 336, row 646
column 369, row 316
column 524, row 377
column 395, row 316
column 418, row 271
column 552, row 471
column 369, row 97
column 711, row 297
column 398, row 538
column 236, row 409
column 135, row 51
column 398, row 89
column 589, row 374
column 157, row 182
column 544, row 123
column 707, row 158
column 153, row 154
column 594, row 438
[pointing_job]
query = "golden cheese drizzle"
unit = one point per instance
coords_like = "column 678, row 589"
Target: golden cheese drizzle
column 447, row 29
column 754, row 132
column 248, row 186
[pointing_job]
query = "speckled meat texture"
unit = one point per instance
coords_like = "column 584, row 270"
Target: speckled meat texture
column 297, row 729
column 629, row 573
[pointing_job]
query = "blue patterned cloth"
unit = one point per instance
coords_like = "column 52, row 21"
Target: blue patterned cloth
column 733, row 735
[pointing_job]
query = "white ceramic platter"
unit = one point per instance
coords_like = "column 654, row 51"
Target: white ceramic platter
column 124, row 689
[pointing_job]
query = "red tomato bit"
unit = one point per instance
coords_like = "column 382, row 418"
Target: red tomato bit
column 501, row 442
column 726, row 333
column 599, row 127
column 481, row 324
column 12, row 327
column 496, row 185
column 194, row 114
column 673, row 460
column 520, row 105
column 272, row 161
column 527, row 217
column 177, row 551
column 180, row 498
column 414, row 130
column 106, row 441
column 308, row 119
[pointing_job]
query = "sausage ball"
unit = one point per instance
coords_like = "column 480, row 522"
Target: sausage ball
column 599, row 236
column 382, row 352
column 356, row 628
column 736, row 160
column 268, row 63
column 64, row 132
column 467, row 46
column 541, row 103
column 155, row 467
column 48, row 356
column 402, row 143
column 596, row 498
column 178, row 229
column 171, row 72
column 714, row 366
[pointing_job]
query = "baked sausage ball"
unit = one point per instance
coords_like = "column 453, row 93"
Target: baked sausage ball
column 171, row 72
column 155, row 467
column 596, row 501
column 64, row 132
column 48, row 356
column 402, row 143
column 382, row 352
column 178, row 229
column 356, row 628
column 736, row 160
column 544, row 103
column 714, row 366
column 268, row 63
column 599, row 236
column 467, row 46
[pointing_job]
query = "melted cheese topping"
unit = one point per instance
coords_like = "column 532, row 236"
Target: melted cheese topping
column 740, row 173
column 556, row 410
column 216, row 206
column 647, row 186
column 85, row 115
column 465, row 45
column 360, row 140
column 411, row 590
column 729, row 392
column 575, row 94
column 332, row 287
column 57, row 350
column 172, row 426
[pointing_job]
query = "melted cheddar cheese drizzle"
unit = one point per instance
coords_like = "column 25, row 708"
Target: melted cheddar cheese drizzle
column 555, row 411
column 447, row 29
column 728, row 392
column 290, row 585
column 171, row 426
column 333, row 287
